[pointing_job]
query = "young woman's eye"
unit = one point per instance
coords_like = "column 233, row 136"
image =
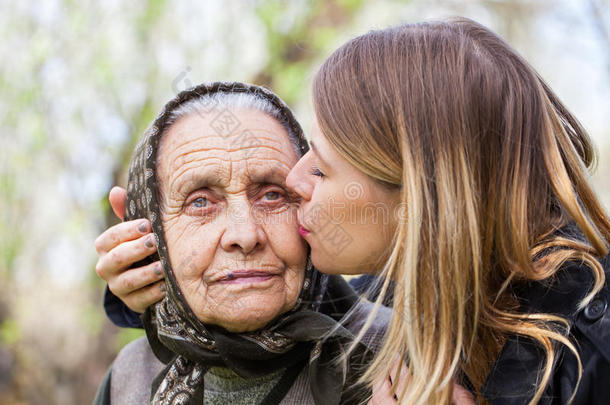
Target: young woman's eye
column 316, row 172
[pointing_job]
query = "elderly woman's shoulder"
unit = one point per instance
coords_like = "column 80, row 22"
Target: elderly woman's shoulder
column 135, row 359
column 130, row 376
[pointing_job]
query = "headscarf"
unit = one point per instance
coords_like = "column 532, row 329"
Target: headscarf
column 309, row 332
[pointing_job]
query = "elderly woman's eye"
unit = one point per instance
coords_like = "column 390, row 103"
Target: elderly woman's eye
column 200, row 202
column 272, row 195
column 201, row 205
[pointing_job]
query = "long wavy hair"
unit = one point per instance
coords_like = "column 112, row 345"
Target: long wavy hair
column 490, row 165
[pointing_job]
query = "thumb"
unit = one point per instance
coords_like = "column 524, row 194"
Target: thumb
column 117, row 198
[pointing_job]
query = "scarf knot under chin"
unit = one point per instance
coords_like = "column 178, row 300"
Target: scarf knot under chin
column 302, row 336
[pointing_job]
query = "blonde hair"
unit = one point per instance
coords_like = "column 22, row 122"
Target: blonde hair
column 490, row 164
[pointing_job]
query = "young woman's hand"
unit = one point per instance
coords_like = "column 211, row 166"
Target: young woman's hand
column 382, row 390
column 118, row 248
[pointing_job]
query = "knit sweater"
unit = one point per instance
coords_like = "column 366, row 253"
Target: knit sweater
column 223, row 386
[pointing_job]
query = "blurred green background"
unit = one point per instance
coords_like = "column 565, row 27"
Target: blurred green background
column 79, row 82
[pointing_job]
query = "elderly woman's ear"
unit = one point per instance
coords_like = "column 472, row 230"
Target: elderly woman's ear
column 119, row 248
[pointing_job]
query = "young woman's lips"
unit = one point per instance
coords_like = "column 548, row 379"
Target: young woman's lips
column 302, row 231
column 246, row 276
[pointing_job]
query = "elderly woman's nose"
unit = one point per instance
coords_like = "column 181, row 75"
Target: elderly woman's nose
column 243, row 232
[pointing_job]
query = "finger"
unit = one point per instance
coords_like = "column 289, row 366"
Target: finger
column 124, row 256
column 143, row 298
column 461, row 396
column 117, row 198
column 120, row 233
column 382, row 393
column 132, row 280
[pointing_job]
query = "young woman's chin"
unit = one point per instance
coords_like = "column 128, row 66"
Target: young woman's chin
column 347, row 262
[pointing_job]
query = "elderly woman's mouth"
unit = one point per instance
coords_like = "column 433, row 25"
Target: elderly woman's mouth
column 246, row 276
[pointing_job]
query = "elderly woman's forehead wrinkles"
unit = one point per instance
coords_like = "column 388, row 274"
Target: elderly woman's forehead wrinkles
column 205, row 172
column 191, row 153
column 199, row 148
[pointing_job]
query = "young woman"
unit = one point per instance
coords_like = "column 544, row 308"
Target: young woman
column 495, row 243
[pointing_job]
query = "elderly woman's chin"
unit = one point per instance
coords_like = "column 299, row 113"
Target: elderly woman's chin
column 246, row 305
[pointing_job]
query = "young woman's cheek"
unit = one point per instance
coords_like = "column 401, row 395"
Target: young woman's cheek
column 282, row 230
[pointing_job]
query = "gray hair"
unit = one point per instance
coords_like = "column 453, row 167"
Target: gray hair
column 217, row 102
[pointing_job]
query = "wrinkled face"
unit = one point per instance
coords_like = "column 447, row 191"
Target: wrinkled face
column 347, row 218
column 229, row 221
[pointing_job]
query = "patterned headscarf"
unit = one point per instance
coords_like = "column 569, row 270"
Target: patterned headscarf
column 188, row 346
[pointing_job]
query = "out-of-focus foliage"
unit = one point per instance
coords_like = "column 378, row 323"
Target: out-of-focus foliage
column 80, row 81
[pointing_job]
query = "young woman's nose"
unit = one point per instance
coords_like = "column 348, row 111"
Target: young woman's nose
column 298, row 180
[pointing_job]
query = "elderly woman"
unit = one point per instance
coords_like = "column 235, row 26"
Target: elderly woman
column 246, row 318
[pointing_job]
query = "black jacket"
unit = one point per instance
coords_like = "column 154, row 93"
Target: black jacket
column 119, row 313
column 513, row 377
